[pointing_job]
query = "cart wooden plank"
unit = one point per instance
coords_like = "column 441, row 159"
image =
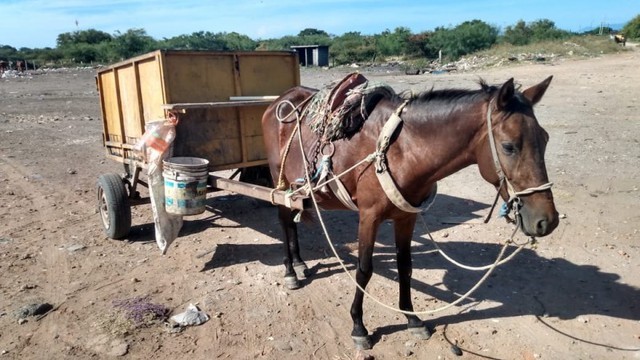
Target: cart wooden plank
column 216, row 104
column 137, row 91
column 278, row 197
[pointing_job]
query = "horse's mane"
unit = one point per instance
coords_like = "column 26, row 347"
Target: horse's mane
column 453, row 95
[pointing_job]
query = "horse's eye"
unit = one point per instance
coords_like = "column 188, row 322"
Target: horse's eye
column 508, row 148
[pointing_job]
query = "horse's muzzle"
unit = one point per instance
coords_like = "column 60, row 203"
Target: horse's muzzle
column 539, row 225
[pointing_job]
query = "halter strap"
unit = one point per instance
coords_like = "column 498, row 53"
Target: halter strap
column 514, row 196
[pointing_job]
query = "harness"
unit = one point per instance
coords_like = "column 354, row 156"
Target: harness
column 384, row 177
column 324, row 175
column 514, row 202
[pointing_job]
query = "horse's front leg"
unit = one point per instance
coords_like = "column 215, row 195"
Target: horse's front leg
column 291, row 260
column 403, row 229
column 367, row 229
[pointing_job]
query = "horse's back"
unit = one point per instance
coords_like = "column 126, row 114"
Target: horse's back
column 282, row 111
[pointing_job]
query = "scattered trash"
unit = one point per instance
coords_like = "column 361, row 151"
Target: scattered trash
column 456, row 350
column 34, row 310
column 191, row 317
column 77, row 247
column 141, row 310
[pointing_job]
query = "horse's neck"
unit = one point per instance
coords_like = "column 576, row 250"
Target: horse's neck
column 445, row 139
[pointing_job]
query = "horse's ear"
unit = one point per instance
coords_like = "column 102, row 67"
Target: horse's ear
column 535, row 93
column 505, row 94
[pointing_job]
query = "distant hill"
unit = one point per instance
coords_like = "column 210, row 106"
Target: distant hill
column 616, row 27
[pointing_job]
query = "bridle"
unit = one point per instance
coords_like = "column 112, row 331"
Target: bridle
column 514, row 203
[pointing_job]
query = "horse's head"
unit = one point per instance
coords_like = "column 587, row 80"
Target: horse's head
column 517, row 166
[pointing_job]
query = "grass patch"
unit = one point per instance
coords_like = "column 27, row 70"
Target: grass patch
column 576, row 46
column 586, row 46
column 131, row 314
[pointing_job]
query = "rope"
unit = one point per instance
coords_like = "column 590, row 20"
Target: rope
column 280, row 118
column 478, row 268
column 344, row 268
column 532, row 190
column 335, row 177
column 498, row 166
column 281, row 185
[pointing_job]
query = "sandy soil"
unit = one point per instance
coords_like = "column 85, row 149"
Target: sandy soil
column 576, row 296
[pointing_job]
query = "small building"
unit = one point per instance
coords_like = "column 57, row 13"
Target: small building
column 312, row 55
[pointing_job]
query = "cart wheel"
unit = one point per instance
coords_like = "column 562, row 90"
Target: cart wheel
column 113, row 206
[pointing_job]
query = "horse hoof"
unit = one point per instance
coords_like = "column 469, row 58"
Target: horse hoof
column 291, row 282
column 420, row 332
column 302, row 271
column 362, row 342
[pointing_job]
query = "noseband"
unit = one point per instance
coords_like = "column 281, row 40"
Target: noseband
column 513, row 203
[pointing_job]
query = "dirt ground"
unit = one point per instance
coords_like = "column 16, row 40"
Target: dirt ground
column 576, row 296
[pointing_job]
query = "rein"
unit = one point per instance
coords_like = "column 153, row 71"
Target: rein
column 379, row 156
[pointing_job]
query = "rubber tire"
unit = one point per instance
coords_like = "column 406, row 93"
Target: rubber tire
column 113, row 206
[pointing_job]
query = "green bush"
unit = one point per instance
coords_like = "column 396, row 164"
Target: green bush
column 540, row 30
column 632, row 28
column 465, row 38
column 352, row 47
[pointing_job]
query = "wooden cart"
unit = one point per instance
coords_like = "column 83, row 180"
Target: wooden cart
column 219, row 98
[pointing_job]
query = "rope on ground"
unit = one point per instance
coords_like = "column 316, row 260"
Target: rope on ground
column 344, row 268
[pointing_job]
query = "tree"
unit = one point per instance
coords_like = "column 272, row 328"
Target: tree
column 539, row 30
column 417, row 44
column 199, row 40
column 90, row 36
column 519, row 34
column 8, row 53
column 236, row 41
column 133, row 42
column 312, row 32
column 465, row 38
column 82, row 53
column 393, row 43
column 546, row 29
column 632, row 28
column 352, row 47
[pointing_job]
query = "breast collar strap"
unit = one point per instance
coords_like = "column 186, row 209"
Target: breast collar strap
column 382, row 168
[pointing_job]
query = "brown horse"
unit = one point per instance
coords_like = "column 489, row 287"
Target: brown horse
column 440, row 132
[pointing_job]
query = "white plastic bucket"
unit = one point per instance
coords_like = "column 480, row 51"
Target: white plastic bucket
column 185, row 185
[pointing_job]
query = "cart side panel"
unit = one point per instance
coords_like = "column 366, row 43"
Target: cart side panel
column 199, row 77
column 112, row 131
column 252, row 139
column 212, row 134
column 130, row 104
column 152, row 94
column 267, row 74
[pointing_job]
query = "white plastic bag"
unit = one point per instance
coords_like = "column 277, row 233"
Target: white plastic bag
column 156, row 145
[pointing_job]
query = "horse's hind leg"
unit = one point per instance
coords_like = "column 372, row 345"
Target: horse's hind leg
column 403, row 233
column 292, row 261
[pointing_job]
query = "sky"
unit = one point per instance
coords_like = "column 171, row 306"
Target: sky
column 37, row 23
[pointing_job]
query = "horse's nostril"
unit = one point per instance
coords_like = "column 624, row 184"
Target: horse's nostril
column 542, row 226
